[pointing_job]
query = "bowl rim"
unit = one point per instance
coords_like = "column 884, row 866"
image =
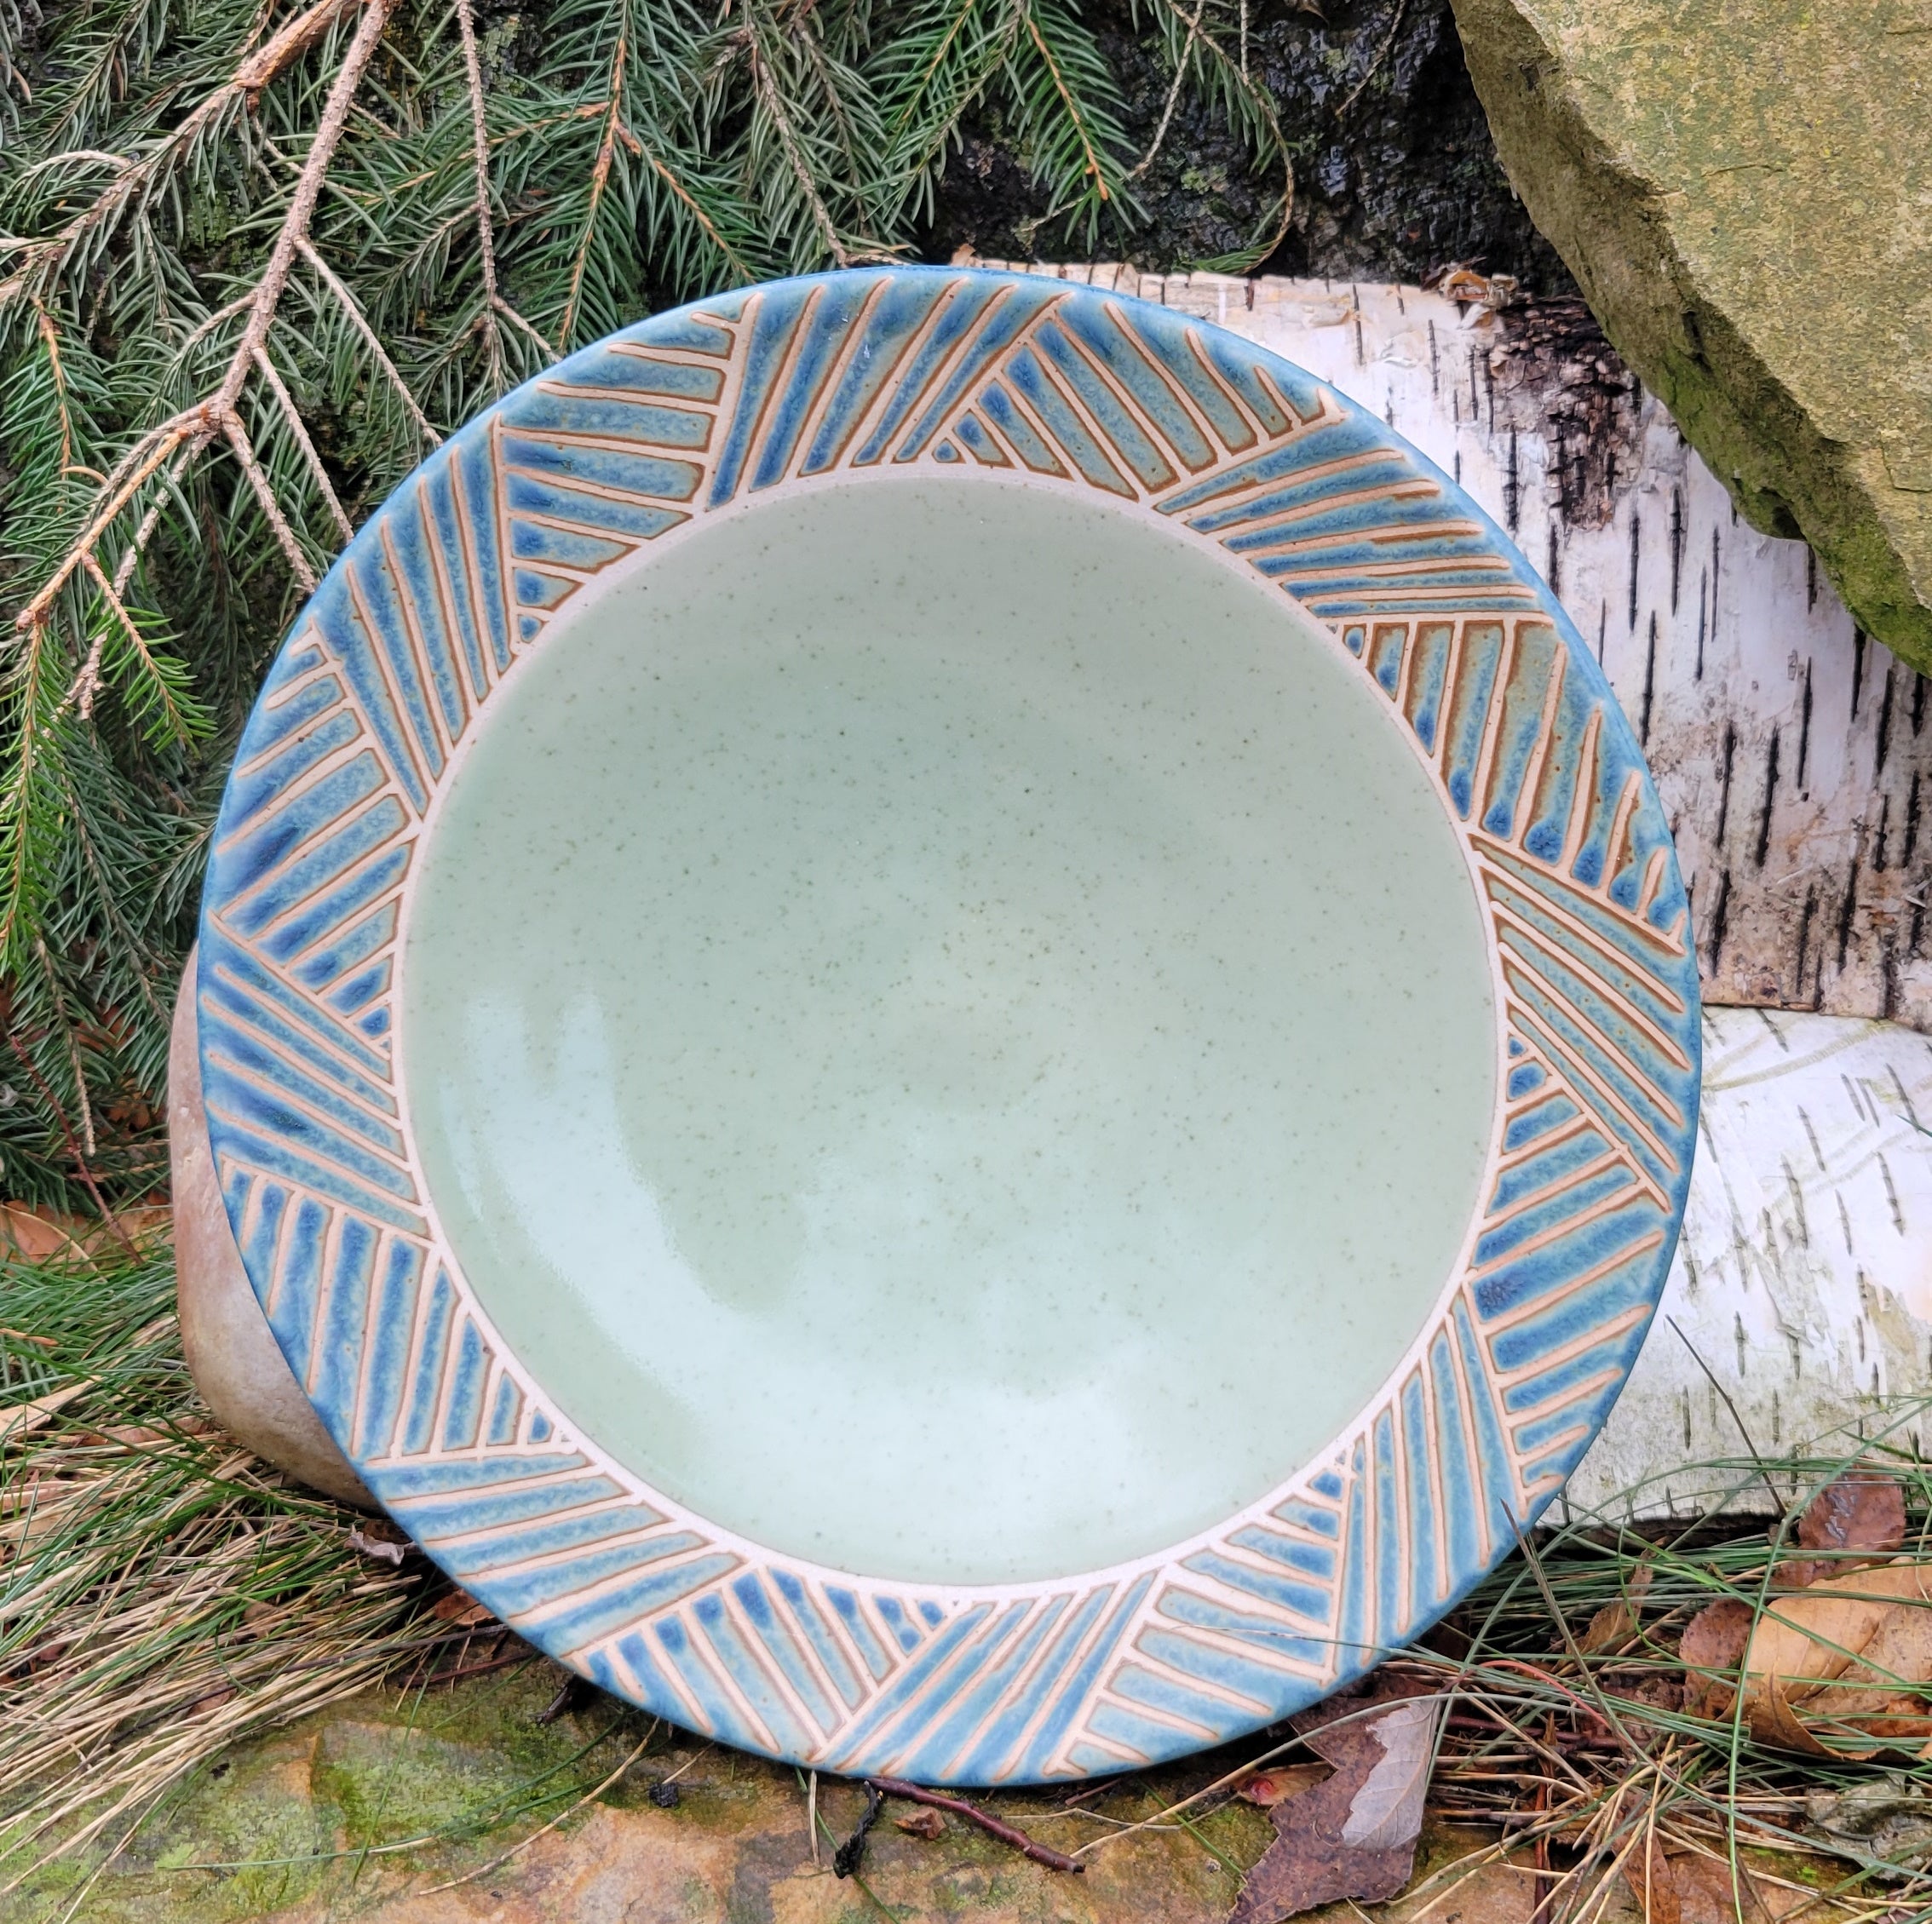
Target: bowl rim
column 913, row 372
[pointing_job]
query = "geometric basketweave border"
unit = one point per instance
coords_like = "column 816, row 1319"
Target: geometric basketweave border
column 918, row 371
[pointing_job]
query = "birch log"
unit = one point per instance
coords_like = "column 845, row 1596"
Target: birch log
column 1793, row 756
column 1798, row 1311
column 1791, row 752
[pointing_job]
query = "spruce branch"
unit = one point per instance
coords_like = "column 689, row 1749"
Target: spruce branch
column 599, row 175
column 299, row 433
column 257, row 255
column 485, row 240
column 1077, row 113
column 370, row 339
column 44, row 262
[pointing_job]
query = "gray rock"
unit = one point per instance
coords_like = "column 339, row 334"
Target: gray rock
column 238, row 1368
column 1743, row 192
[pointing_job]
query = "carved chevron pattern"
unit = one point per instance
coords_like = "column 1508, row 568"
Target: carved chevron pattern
column 914, row 371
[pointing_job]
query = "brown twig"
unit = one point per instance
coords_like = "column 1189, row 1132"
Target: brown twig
column 1072, row 105
column 781, row 121
column 1174, row 92
column 251, row 74
column 51, row 340
column 600, row 176
column 80, row 1162
column 111, row 593
column 217, row 413
column 265, row 499
column 940, row 1801
column 124, row 568
column 485, row 233
column 1374, row 66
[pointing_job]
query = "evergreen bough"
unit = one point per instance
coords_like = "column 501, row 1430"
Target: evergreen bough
column 258, row 256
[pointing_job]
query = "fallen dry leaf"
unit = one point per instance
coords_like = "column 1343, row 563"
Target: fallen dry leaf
column 1353, row 1835
column 1842, row 1668
column 18, row 1419
column 463, row 1610
column 925, row 1822
column 1702, row 1889
column 1714, row 1639
column 1651, row 1883
column 1861, row 1511
column 1270, row 1787
column 377, row 1544
column 1883, row 1818
column 1616, row 1623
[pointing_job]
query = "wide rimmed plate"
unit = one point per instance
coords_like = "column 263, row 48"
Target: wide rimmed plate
column 948, row 1025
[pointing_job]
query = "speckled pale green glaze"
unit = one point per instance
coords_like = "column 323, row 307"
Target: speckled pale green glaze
column 939, row 988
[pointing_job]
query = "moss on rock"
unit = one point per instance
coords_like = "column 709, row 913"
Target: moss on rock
column 1743, row 189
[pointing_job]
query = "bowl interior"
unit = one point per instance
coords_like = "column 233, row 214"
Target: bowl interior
column 948, row 1029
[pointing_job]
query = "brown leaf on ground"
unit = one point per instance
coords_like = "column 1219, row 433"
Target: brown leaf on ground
column 462, row 1610
column 1648, row 1873
column 1843, row 1667
column 1271, row 1786
column 1714, row 1639
column 1353, row 1835
column 1861, row 1511
column 1702, row 1890
column 925, row 1823
column 1616, row 1623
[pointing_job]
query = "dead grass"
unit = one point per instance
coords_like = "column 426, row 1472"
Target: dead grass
column 162, row 1592
column 163, row 1595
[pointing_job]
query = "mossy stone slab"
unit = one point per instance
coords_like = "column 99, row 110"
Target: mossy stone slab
column 1743, row 189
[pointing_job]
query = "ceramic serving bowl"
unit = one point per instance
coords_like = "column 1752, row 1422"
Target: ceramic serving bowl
column 947, row 1025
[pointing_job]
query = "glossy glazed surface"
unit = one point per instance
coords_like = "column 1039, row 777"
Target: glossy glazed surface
column 941, row 960
column 591, row 479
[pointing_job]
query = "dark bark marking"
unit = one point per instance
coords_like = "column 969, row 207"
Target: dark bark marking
column 1636, row 539
column 1724, row 779
column 1857, row 668
column 1884, row 728
column 1846, row 910
column 1676, row 543
column 1770, row 794
column 1649, row 682
column 1804, row 729
column 1720, row 913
